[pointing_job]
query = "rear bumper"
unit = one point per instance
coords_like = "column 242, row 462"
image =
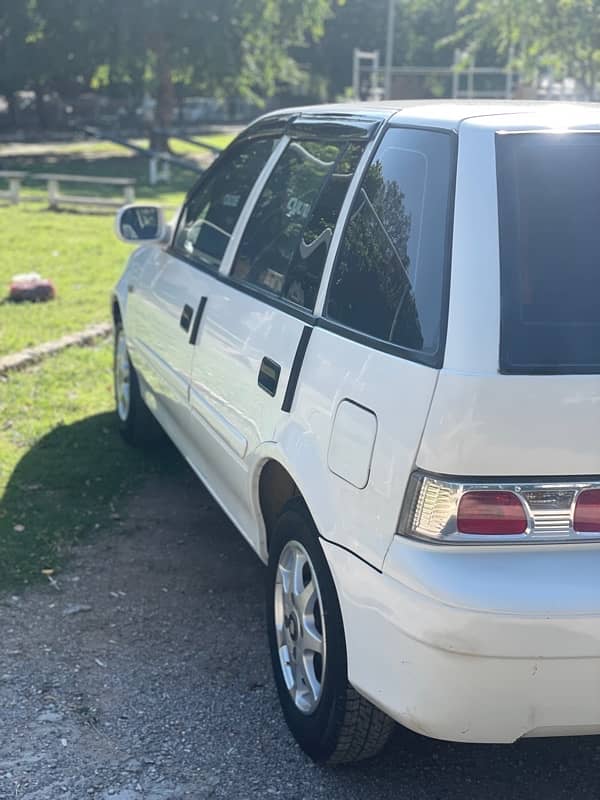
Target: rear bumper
column 476, row 644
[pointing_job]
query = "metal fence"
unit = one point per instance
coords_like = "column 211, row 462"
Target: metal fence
column 462, row 79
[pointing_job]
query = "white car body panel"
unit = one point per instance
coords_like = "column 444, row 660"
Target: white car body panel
column 463, row 669
column 467, row 643
column 157, row 334
column 238, row 331
column 520, row 425
column 336, row 369
column 351, row 444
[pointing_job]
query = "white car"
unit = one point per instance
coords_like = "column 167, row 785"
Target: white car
column 374, row 333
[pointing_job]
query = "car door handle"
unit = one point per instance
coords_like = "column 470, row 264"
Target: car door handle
column 186, row 317
column 197, row 320
column 268, row 376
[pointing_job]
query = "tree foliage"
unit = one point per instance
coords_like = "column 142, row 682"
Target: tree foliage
column 253, row 48
column 419, row 26
column 562, row 35
column 218, row 47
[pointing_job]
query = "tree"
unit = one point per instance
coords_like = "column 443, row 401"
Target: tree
column 47, row 44
column 563, row 35
column 222, row 48
column 15, row 27
column 362, row 24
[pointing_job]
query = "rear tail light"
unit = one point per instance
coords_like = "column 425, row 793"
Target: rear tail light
column 446, row 510
column 491, row 513
column 586, row 518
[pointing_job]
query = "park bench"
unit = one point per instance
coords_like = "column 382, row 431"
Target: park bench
column 55, row 198
column 15, row 179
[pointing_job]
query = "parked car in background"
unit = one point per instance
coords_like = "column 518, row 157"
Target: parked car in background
column 374, row 333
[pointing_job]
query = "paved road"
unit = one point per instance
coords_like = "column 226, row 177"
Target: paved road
column 144, row 675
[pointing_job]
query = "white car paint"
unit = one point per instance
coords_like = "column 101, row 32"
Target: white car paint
column 353, row 436
column 468, row 643
column 483, row 646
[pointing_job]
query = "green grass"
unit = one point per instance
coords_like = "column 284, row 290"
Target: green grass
column 217, row 140
column 79, row 253
column 77, row 250
column 106, row 160
column 108, row 166
column 63, row 466
column 92, row 148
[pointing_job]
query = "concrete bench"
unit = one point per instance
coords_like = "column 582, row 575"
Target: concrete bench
column 55, row 198
column 15, row 179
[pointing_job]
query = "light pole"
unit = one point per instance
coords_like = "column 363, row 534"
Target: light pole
column 389, row 49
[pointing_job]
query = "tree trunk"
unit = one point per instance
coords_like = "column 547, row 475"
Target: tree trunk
column 165, row 97
column 13, row 113
column 41, row 108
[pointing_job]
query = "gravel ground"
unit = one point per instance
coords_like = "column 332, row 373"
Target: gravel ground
column 144, row 675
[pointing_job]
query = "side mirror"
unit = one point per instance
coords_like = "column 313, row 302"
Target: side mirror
column 141, row 224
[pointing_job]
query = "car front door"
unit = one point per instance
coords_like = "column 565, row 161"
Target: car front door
column 173, row 291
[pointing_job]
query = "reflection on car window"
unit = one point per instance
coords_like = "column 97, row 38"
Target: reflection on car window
column 388, row 279
column 285, row 244
column 212, row 212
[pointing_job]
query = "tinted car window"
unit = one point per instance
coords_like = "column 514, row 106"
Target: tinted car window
column 285, row 243
column 549, row 228
column 212, row 211
column 389, row 278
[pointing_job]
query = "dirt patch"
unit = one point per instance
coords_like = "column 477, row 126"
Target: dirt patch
column 143, row 674
column 109, row 678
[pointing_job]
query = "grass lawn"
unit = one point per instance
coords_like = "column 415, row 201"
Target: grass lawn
column 106, row 159
column 92, row 148
column 63, row 465
column 78, row 251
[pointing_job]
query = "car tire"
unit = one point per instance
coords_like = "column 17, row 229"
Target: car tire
column 136, row 423
column 329, row 719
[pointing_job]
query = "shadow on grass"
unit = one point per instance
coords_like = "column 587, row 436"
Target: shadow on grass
column 67, row 485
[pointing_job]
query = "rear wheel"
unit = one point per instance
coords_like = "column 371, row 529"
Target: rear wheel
column 329, row 719
column 136, row 423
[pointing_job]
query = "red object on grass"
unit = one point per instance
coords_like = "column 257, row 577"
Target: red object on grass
column 31, row 288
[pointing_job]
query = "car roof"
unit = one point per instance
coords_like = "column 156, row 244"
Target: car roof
column 452, row 113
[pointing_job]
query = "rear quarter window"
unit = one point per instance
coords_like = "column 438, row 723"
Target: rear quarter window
column 389, row 281
column 549, row 234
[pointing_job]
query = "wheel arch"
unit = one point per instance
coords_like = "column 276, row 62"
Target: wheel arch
column 276, row 487
column 115, row 309
column 277, row 482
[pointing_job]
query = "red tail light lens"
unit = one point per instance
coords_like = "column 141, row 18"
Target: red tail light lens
column 587, row 512
column 492, row 513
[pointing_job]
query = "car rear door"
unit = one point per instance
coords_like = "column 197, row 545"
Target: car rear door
column 169, row 299
column 371, row 371
column 260, row 315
